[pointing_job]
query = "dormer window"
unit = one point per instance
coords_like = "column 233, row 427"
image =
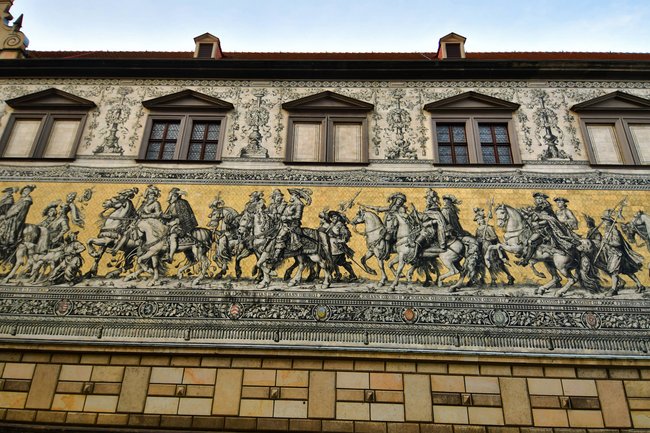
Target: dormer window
column 207, row 46
column 451, row 46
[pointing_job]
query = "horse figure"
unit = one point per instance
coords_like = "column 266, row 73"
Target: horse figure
column 404, row 249
column 517, row 232
column 113, row 233
column 230, row 246
column 315, row 250
column 154, row 245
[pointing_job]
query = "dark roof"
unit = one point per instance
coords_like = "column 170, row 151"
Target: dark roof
column 533, row 56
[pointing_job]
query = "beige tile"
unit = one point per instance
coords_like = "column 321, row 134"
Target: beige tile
column 106, row 388
column 354, row 380
column 166, row 375
column 515, row 400
column 613, row 403
column 12, row 400
column 495, row 370
column 199, row 376
column 369, row 366
column 256, row 408
column 43, row 386
column 290, row 409
column 527, row 371
column 623, row 373
column 107, row 374
column 294, row 393
column 322, row 394
column 641, row 419
column 159, row 389
column 276, row 363
column 69, row 402
column 227, row 391
column 14, row 370
column 637, row 388
column 544, row 401
column 585, row 418
column 352, row 411
column 185, row 361
column 81, row 418
column 155, row 360
column 195, row 406
column 338, row 364
column 200, row 391
column 544, row 386
column 389, row 396
column 446, row 383
column 635, row 403
column 69, row 387
column 246, row 363
column 214, row 361
column 387, row 412
column 125, row 359
column 559, row 372
column 36, row 357
column 95, row 359
column 550, row 418
column 100, row 403
column 388, row 381
column 450, row 415
column 134, row 389
column 307, row 364
column 292, row 378
column 579, row 387
column 485, row 415
column 112, row 419
column 65, row 358
column 259, row 377
column 350, row 394
column 482, row 385
column 255, row 392
column 161, row 405
column 401, row 366
column 76, row 373
column 417, row 398
column 428, row 367
column 463, row 369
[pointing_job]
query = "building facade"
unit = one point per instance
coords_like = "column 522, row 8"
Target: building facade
column 209, row 241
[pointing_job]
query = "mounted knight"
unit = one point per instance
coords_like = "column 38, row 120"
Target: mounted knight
column 289, row 235
column 180, row 218
column 434, row 231
column 396, row 205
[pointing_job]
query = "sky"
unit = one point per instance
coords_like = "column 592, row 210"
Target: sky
column 337, row 25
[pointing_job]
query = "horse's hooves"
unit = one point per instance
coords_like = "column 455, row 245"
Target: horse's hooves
column 452, row 289
column 426, row 284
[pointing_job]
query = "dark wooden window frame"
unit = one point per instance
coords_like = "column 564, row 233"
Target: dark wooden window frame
column 328, row 121
column 621, row 124
column 47, row 119
column 185, row 132
column 471, row 120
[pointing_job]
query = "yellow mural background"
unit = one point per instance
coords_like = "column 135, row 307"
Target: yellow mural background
column 591, row 202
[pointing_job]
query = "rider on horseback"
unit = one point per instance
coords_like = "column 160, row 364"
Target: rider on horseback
column 291, row 220
column 434, row 225
column 180, row 218
column 396, row 205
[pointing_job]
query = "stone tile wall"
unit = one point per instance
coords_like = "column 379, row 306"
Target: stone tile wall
column 334, row 394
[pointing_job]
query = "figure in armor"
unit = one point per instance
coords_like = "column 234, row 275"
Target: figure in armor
column 180, row 218
column 288, row 236
column 486, row 237
column 7, row 199
column 12, row 222
column 277, row 205
column 255, row 203
column 564, row 214
column 150, row 207
column 396, row 204
column 435, row 230
column 339, row 236
column 618, row 254
column 546, row 228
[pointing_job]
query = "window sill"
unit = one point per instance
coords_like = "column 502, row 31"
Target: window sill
column 476, row 164
column 324, row 163
column 177, row 161
column 31, row 158
column 627, row 166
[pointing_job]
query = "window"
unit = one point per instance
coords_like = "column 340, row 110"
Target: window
column 327, row 127
column 616, row 129
column 474, row 129
column 46, row 125
column 196, row 134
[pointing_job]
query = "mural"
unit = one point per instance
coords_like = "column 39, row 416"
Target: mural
column 577, row 243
